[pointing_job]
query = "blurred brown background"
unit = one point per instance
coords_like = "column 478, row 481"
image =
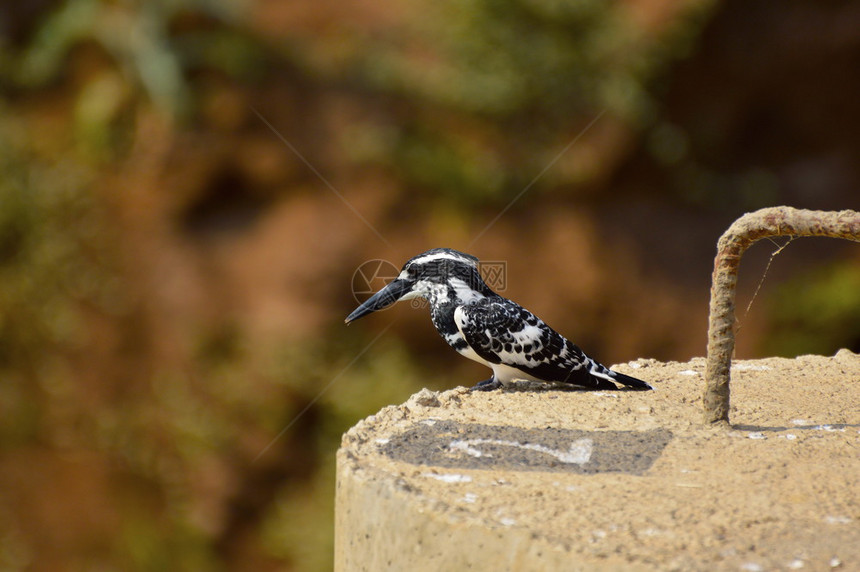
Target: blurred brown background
column 188, row 187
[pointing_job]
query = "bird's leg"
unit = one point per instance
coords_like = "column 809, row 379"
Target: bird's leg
column 487, row 385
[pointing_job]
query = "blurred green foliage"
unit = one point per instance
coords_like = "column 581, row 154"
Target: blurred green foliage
column 137, row 36
column 53, row 262
column 538, row 69
column 495, row 89
column 154, row 47
column 519, row 59
column 816, row 312
column 164, row 428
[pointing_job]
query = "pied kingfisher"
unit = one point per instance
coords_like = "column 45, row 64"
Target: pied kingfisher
column 490, row 329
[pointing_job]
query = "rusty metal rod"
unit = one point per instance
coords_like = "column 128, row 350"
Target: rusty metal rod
column 743, row 233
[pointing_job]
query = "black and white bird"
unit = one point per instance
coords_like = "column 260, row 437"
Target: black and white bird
column 490, row 329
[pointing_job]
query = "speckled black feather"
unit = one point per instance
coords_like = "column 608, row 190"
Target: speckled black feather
column 495, row 323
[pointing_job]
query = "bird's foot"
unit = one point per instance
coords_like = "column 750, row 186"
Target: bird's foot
column 487, row 385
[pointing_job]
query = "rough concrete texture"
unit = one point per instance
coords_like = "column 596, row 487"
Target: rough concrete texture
column 554, row 480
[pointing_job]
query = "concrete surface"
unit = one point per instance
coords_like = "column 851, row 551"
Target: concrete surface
column 553, row 480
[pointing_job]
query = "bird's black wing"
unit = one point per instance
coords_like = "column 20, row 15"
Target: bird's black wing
column 501, row 331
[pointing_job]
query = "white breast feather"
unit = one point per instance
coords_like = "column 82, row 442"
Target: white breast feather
column 461, row 320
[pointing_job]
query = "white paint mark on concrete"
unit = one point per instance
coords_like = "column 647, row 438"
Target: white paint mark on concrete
column 449, row 477
column 579, row 452
column 471, row 451
column 829, row 428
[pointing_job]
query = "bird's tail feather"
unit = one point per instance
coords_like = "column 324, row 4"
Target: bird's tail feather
column 629, row 381
column 599, row 371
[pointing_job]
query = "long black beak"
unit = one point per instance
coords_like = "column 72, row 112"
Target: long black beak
column 393, row 292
